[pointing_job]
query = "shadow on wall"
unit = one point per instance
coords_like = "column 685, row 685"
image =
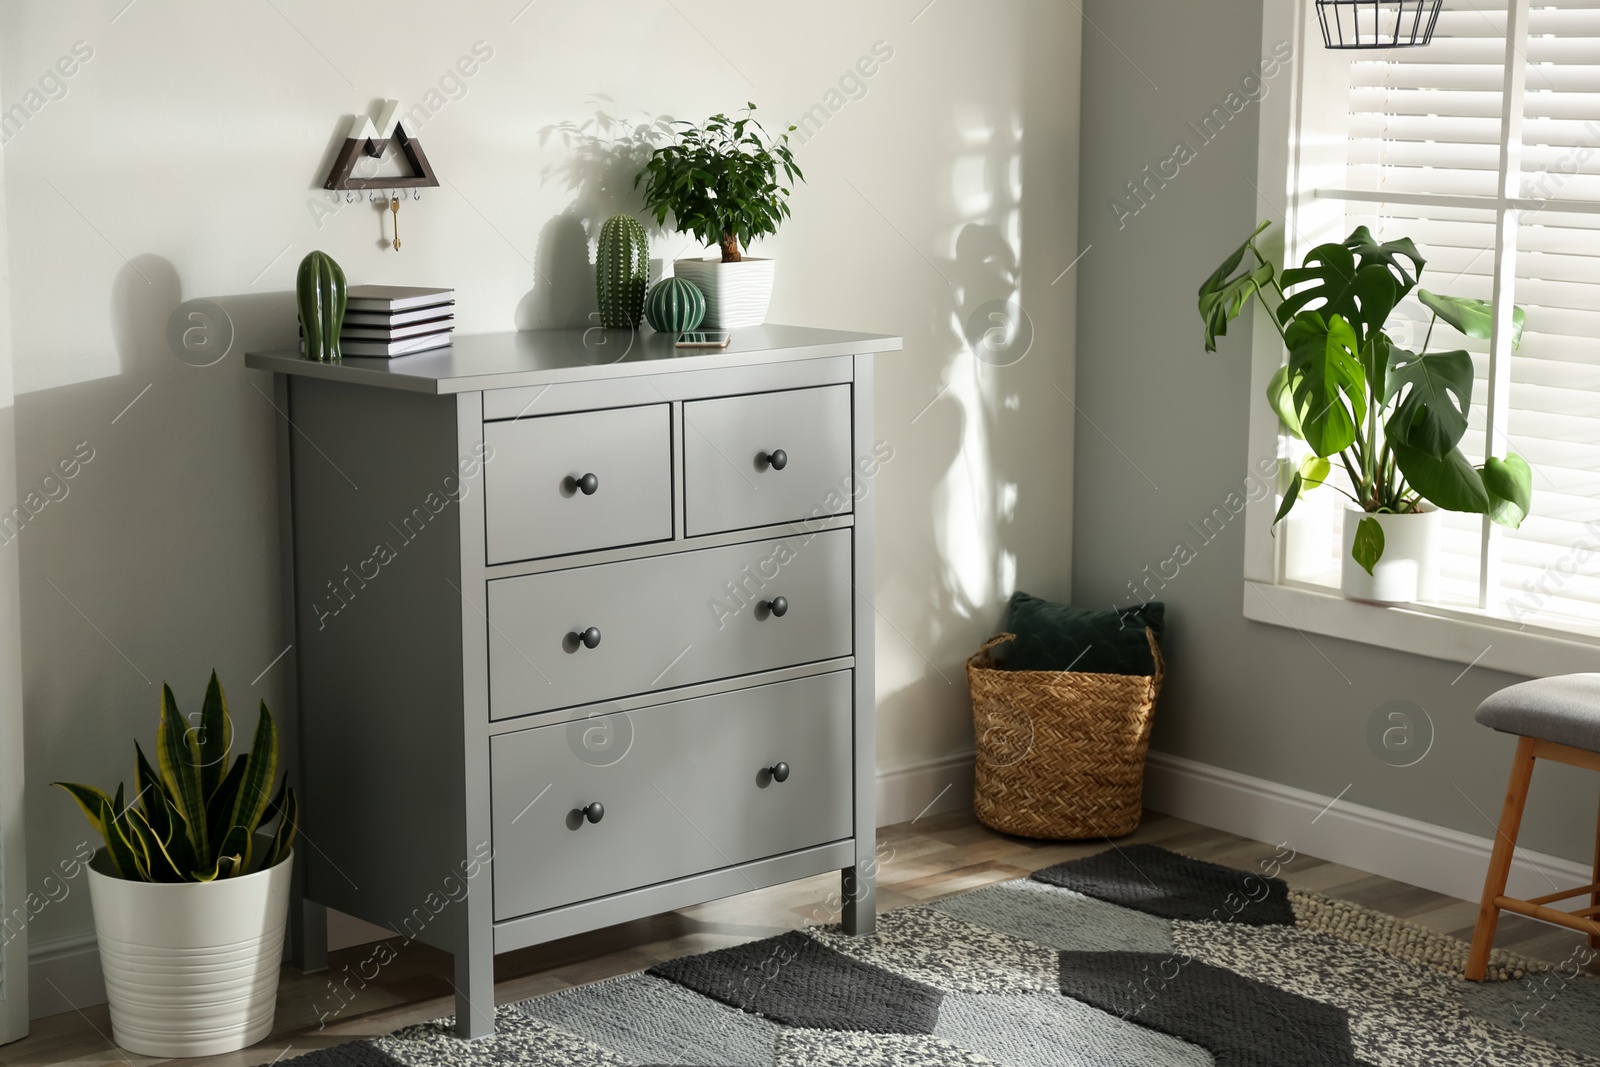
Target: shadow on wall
column 165, row 529
column 603, row 154
column 977, row 323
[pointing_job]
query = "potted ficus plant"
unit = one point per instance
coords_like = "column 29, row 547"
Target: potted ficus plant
column 1393, row 419
column 190, row 894
column 727, row 182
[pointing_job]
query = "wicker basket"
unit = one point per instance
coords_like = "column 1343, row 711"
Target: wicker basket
column 1060, row 753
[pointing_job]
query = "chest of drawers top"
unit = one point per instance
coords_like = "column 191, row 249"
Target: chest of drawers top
column 482, row 362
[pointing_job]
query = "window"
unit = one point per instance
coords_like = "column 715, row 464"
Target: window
column 1484, row 147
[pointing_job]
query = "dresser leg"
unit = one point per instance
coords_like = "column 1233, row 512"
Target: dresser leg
column 474, row 995
column 308, row 936
column 858, row 888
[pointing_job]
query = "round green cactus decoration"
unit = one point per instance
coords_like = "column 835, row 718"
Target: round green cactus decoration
column 621, row 271
column 320, row 292
column 674, row 306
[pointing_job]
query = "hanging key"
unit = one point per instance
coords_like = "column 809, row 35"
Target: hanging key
column 394, row 209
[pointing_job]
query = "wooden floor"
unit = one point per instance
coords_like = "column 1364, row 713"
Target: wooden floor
column 919, row 861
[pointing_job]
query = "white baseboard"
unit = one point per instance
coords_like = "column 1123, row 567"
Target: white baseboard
column 931, row 787
column 1354, row 835
column 64, row 974
column 1379, row 842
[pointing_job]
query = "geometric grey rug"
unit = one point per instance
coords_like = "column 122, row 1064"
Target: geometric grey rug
column 1174, row 886
column 1135, row 957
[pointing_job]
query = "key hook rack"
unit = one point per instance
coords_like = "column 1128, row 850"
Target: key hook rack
column 368, row 140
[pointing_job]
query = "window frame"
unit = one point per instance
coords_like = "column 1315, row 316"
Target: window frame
column 1294, row 183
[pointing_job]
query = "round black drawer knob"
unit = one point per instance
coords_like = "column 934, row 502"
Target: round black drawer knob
column 779, row 772
column 595, row 812
column 588, row 485
column 777, row 459
column 589, row 638
column 779, row 606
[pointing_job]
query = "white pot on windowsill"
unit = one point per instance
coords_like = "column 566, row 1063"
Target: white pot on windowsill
column 191, row 968
column 737, row 294
column 1408, row 570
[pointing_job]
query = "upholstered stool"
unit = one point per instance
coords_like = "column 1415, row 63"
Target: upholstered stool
column 1554, row 719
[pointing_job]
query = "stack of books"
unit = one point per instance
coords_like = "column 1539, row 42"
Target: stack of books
column 396, row 320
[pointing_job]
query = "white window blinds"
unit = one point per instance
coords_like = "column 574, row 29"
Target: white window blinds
column 1434, row 155
column 1551, row 566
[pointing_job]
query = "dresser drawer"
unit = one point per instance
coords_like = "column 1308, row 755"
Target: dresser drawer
column 666, row 621
column 535, row 499
column 732, row 476
column 685, row 788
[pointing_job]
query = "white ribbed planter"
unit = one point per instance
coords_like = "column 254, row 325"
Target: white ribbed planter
column 737, row 294
column 1407, row 571
column 191, row 969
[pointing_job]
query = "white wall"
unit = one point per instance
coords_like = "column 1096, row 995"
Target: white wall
column 13, row 865
column 182, row 161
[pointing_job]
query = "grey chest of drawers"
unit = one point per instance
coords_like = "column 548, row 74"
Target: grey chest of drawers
column 577, row 632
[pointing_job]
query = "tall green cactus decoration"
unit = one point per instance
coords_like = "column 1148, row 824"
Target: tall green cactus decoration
column 621, row 272
column 320, row 291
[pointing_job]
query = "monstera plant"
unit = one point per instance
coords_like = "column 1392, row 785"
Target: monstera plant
column 1393, row 419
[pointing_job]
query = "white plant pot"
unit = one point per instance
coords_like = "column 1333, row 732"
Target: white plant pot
column 737, row 294
column 1407, row 571
column 191, row 968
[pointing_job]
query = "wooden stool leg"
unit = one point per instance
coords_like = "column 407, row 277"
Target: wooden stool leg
column 1594, row 898
column 1505, row 845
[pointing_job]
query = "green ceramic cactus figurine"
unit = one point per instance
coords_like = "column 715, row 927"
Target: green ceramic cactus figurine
column 621, row 271
column 674, row 306
column 320, row 292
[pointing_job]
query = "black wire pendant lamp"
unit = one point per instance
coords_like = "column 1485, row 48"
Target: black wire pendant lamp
column 1377, row 23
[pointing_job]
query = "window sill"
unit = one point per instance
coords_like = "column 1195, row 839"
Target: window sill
column 1426, row 630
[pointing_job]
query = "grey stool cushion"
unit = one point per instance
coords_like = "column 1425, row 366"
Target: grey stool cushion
column 1564, row 709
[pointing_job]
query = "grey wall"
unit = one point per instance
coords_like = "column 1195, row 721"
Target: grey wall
column 1259, row 699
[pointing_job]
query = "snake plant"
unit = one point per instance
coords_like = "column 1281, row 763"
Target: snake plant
column 195, row 817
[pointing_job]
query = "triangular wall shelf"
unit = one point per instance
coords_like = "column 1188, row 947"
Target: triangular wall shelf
column 371, row 139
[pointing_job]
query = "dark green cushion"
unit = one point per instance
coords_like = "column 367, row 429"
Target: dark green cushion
column 1059, row 637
